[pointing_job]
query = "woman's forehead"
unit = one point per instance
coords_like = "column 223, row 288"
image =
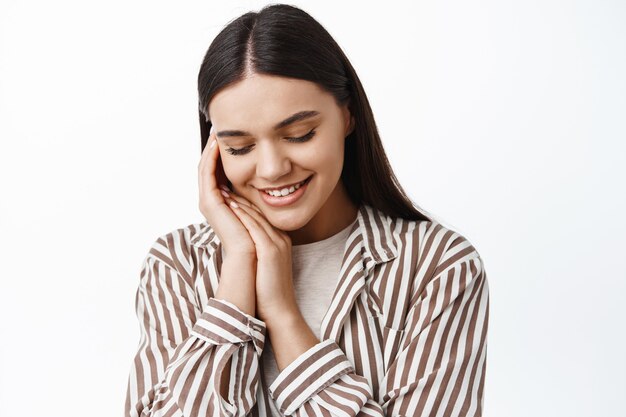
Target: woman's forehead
column 268, row 99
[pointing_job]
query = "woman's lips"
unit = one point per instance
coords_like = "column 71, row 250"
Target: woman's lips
column 288, row 199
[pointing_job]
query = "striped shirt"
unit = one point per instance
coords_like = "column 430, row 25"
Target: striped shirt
column 405, row 333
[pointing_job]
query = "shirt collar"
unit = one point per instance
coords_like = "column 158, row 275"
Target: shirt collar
column 375, row 227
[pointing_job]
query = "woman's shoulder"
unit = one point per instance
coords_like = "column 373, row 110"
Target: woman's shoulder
column 434, row 246
column 422, row 257
column 178, row 247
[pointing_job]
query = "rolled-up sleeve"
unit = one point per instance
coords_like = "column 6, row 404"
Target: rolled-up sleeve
column 183, row 351
column 320, row 377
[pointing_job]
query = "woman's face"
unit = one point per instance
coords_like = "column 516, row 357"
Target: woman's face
column 259, row 148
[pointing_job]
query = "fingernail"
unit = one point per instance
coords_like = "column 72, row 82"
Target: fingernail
column 224, row 193
column 234, row 205
column 212, row 144
column 211, row 131
column 223, row 187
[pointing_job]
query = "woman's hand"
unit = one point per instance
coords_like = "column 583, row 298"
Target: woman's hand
column 276, row 303
column 275, row 294
column 237, row 281
column 213, row 205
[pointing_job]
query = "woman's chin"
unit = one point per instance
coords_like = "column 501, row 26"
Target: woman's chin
column 286, row 222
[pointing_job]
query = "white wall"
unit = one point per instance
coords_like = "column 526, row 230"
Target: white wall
column 515, row 110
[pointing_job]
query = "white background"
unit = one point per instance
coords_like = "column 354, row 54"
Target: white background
column 515, row 113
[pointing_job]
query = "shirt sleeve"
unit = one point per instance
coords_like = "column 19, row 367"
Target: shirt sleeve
column 439, row 369
column 182, row 351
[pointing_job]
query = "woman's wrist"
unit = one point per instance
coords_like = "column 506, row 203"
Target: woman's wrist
column 237, row 284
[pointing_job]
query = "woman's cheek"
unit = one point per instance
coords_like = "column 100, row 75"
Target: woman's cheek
column 315, row 155
column 234, row 172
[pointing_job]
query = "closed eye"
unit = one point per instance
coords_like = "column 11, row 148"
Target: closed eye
column 243, row 151
column 303, row 138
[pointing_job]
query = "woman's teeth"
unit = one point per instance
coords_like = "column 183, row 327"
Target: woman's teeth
column 285, row 191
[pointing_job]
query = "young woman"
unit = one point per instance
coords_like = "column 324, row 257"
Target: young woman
column 314, row 287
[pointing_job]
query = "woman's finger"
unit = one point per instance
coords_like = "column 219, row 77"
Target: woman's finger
column 257, row 209
column 235, row 197
column 256, row 231
column 231, row 194
column 239, row 198
column 264, row 224
column 207, row 181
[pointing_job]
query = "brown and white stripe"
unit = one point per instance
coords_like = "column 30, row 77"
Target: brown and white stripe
column 405, row 333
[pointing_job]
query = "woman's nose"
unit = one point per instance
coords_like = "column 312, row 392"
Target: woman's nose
column 272, row 163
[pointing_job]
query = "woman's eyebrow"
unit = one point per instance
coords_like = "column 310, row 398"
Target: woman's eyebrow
column 296, row 117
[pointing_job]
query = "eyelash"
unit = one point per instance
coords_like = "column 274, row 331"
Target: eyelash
column 245, row 150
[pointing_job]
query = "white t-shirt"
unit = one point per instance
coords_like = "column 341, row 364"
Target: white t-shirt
column 315, row 269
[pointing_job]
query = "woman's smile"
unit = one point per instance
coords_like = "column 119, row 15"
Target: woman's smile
column 285, row 196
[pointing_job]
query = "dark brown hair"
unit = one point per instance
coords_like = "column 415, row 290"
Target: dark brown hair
column 284, row 40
